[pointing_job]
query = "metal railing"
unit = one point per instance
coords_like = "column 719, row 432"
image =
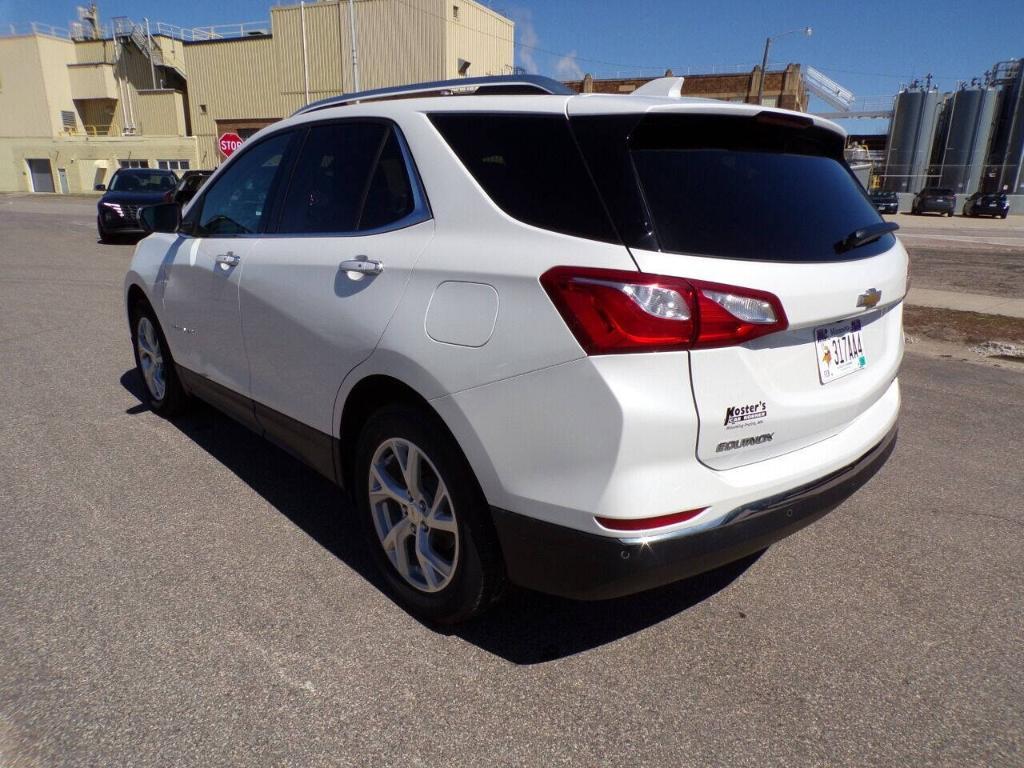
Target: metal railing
column 33, row 28
column 124, row 26
column 216, row 32
column 101, row 130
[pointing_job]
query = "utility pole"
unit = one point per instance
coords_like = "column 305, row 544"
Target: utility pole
column 152, row 66
column 764, row 59
column 355, row 58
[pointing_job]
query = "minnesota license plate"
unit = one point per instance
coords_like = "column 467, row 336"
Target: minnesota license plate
column 840, row 350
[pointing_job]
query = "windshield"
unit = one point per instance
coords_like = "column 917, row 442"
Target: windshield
column 738, row 188
column 153, row 181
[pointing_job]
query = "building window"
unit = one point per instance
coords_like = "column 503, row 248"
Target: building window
column 455, row 12
column 173, row 165
column 133, row 163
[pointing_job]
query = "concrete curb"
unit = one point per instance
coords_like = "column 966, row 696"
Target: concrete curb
column 966, row 302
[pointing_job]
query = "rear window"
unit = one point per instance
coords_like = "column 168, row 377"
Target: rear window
column 530, row 167
column 737, row 187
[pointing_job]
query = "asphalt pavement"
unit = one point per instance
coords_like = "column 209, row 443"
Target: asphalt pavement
column 185, row 594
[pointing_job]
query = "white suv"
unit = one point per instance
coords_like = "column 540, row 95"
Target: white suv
column 587, row 344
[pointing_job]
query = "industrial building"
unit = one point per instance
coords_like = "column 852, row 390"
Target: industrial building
column 77, row 104
column 785, row 88
column 969, row 140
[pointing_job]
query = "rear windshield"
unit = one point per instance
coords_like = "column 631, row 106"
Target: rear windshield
column 743, row 188
column 936, row 191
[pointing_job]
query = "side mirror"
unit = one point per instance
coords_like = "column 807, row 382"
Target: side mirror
column 165, row 217
column 100, row 187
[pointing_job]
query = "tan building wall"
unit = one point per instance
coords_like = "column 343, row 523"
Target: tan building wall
column 161, row 113
column 480, row 36
column 252, row 81
column 238, row 84
column 86, row 161
column 23, row 106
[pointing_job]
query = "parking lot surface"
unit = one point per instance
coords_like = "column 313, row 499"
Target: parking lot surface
column 974, row 255
column 185, row 594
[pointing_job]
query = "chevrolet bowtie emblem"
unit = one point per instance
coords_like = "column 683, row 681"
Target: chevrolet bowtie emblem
column 869, row 298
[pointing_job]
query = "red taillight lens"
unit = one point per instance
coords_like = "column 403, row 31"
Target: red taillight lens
column 618, row 311
column 614, row 311
column 647, row 523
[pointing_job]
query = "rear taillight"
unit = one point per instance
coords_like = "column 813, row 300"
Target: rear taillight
column 614, row 311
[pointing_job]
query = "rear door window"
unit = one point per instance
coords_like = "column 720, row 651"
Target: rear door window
column 530, row 167
column 331, row 177
column 737, row 187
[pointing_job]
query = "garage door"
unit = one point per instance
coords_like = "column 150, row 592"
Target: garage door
column 42, row 175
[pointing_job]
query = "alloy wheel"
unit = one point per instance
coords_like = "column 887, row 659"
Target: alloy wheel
column 151, row 359
column 413, row 515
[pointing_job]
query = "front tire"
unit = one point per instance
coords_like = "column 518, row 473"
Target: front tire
column 163, row 391
column 424, row 517
column 104, row 235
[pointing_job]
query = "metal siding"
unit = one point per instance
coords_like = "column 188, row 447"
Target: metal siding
column 481, row 37
column 160, row 113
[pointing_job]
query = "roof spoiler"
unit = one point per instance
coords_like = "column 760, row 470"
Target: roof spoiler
column 463, row 86
column 665, row 87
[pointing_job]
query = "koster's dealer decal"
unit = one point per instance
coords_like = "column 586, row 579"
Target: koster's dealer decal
column 745, row 415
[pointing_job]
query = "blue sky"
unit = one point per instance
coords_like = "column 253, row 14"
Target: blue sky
column 871, row 47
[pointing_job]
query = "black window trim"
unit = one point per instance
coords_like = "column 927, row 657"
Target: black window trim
column 420, row 212
column 196, row 209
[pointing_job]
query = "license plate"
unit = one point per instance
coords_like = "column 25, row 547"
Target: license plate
column 840, row 350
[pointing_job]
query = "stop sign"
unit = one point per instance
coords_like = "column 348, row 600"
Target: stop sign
column 228, row 143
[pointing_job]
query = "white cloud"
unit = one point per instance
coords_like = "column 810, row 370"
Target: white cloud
column 566, row 67
column 526, row 35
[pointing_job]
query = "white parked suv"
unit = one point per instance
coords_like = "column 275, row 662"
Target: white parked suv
column 587, row 344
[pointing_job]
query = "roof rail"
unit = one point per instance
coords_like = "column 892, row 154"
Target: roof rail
column 463, row 86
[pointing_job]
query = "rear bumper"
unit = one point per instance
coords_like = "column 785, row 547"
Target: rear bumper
column 936, row 207
column 571, row 563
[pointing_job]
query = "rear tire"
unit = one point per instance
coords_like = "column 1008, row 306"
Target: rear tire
column 424, row 518
column 163, row 392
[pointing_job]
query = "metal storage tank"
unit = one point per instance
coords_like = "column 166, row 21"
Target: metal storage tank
column 1008, row 144
column 971, row 111
column 910, row 139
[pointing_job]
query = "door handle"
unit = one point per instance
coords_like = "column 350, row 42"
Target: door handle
column 357, row 268
column 228, row 259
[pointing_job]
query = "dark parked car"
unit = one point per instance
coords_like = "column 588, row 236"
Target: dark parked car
column 885, row 202
column 990, row 204
column 934, row 200
column 189, row 184
column 117, row 212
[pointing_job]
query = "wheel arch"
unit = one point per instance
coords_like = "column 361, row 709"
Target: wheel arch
column 376, row 389
column 369, row 394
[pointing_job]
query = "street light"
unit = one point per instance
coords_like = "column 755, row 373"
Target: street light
column 764, row 61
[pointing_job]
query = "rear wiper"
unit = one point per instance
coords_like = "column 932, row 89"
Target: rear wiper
column 865, row 235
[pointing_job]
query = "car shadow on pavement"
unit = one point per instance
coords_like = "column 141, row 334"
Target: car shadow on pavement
column 525, row 628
